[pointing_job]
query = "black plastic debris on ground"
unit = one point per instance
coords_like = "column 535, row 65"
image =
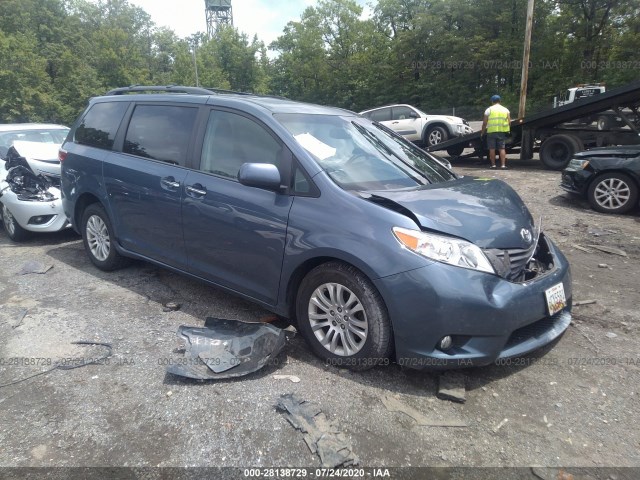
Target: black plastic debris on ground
column 226, row 349
column 321, row 436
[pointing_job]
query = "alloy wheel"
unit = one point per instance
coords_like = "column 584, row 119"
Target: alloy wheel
column 612, row 193
column 338, row 319
column 98, row 238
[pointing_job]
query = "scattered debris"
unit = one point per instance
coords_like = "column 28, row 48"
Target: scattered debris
column 394, row 405
column 580, row 247
column 610, row 335
column 613, row 251
column 293, row 378
column 451, row 387
column 21, row 317
column 500, row 425
column 169, row 393
column 548, row 473
column 596, row 232
column 321, row 436
column 33, row 266
column 71, row 365
column 582, row 332
column 171, row 307
column 584, row 302
column 603, row 265
column 226, row 348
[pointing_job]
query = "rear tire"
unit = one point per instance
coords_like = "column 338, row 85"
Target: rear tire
column 613, row 193
column 556, row 151
column 343, row 318
column 98, row 239
column 13, row 230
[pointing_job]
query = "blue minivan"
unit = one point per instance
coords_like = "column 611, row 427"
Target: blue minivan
column 372, row 247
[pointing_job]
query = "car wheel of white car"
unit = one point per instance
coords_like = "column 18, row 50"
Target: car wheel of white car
column 97, row 235
column 14, row 231
column 343, row 318
column 435, row 135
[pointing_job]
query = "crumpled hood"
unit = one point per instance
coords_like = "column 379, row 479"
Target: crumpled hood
column 485, row 211
column 42, row 157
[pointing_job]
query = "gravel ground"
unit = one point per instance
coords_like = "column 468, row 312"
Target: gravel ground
column 573, row 405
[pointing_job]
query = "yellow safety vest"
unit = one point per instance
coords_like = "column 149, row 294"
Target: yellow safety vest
column 498, row 119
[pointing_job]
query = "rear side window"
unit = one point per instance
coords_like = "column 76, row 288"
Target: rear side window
column 401, row 113
column 232, row 140
column 382, row 115
column 160, row 132
column 99, row 126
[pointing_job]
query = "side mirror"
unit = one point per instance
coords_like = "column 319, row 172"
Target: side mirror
column 260, row 175
column 413, row 114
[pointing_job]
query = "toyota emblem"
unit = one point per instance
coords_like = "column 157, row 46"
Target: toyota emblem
column 526, row 235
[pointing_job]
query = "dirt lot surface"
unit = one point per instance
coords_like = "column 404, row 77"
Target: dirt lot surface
column 574, row 405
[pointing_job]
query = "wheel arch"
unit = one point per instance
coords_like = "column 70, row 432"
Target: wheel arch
column 301, row 270
column 83, row 201
column 436, row 123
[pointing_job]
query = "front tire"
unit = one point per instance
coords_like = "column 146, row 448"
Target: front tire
column 343, row 318
column 613, row 193
column 14, row 231
column 98, row 239
column 435, row 135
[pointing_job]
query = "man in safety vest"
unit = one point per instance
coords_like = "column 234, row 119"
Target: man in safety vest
column 496, row 125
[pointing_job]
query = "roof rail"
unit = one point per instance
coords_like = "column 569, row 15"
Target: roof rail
column 182, row 89
column 164, row 89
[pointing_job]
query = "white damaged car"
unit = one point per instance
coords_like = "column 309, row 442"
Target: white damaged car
column 29, row 190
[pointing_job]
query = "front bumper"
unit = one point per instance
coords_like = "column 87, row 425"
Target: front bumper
column 488, row 317
column 462, row 129
column 36, row 216
column 575, row 181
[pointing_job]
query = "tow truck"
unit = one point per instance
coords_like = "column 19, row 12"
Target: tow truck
column 558, row 133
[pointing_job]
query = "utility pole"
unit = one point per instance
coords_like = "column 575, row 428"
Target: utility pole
column 194, row 54
column 525, row 60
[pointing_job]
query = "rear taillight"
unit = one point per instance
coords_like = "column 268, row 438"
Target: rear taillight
column 62, row 154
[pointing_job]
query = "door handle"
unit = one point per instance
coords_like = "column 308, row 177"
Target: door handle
column 395, row 122
column 196, row 189
column 170, row 182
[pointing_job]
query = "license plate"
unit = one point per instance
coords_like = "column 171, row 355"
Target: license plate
column 556, row 300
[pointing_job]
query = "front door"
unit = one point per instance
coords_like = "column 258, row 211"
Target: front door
column 235, row 235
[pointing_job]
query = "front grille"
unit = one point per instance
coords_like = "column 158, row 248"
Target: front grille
column 509, row 263
column 516, row 259
column 521, row 264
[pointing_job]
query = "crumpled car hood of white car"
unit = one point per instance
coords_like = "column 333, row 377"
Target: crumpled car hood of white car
column 42, row 157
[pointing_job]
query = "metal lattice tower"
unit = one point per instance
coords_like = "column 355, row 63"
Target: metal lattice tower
column 218, row 12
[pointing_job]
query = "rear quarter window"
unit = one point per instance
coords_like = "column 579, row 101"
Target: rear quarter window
column 99, row 125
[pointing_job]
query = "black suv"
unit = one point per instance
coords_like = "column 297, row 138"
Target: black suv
column 318, row 214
